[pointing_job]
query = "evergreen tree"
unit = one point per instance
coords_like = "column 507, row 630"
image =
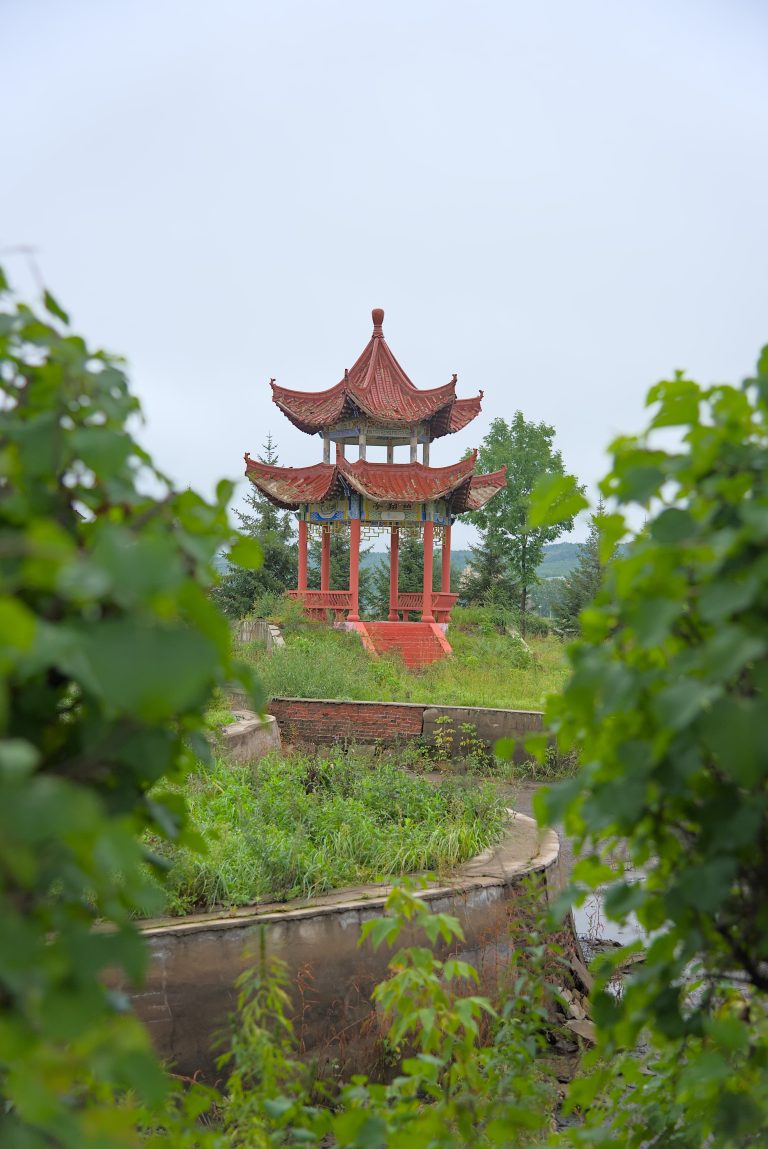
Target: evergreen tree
column 410, row 574
column 487, row 579
column 239, row 588
column 584, row 581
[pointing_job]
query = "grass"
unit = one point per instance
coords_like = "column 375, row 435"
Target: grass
column 489, row 667
column 287, row 828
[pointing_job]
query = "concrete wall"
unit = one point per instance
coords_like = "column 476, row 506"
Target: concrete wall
column 189, row 992
column 323, row 721
column 259, row 630
column 252, row 737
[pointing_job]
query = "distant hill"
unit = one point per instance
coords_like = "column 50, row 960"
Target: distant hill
column 559, row 560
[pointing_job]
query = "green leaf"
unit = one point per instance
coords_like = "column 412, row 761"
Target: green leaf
column 152, row 672
column 103, row 449
column 537, row 744
column 360, row 1129
column 555, row 499
column 504, row 749
column 673, row 526
column 18, row 624
column 54, row 308
column 677, row 705
column 612, row 529
column 246, row 552
column 679, row 401
column 380, row 930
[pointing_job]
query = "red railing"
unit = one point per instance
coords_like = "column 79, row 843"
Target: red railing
column 442, row 604
column 318, row 602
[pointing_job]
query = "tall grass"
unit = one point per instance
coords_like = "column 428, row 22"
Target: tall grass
column 287, row 828
column 489, row 667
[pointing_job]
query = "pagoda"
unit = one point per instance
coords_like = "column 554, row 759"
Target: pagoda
column 377, row 405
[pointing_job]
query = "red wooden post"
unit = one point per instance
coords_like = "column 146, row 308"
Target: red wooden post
column 445, row 573
column 325, row 558
column 302, row 555
column 354, row 570
column 429, row 539
column 394, row 564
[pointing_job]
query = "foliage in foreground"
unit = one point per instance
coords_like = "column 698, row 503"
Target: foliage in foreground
column 469, row 1073
column 109, row 652
column 667, row 706
column 286, row 828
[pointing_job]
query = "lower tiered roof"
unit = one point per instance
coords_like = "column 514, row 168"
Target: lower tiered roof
column 290, row 487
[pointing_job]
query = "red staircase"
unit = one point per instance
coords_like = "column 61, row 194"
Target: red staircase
column 417, row 643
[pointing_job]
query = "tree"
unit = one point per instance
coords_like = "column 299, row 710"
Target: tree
column 239, row 588
column 410, row 574
column 580, row 587
column 667, row 706
column 486, row 579
column 528, row 452
column 110, row 650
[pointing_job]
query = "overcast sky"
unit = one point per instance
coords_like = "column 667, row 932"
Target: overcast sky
column 560, row 201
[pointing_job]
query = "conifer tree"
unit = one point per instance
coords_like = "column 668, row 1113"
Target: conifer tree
column 274, row 529
column 487, row 578
column 584, row 581
column 410, row 574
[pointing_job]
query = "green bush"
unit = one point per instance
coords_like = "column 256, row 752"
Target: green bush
column 110, row 652
column 667, row 707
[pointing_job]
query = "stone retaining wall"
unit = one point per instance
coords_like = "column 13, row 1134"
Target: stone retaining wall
column 189, row 993
column 326, row 721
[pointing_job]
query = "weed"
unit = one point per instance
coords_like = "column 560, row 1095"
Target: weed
column 295, row 827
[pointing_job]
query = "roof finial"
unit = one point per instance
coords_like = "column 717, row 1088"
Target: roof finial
column 377, row 315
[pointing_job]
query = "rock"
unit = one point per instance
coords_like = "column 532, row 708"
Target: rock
column 582, row 975
column 583, row 1028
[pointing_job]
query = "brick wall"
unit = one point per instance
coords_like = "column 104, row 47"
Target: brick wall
column 322, row 721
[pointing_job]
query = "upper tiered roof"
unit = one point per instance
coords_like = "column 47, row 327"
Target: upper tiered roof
column 381, row 482
column 377, row 388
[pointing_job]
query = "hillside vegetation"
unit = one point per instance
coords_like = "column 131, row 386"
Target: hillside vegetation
column 490, row 666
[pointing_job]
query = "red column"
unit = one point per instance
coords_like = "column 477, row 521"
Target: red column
column 354, row 570
column 302, row 555
column 429, row 539
column 445, row 573
column 394, row 563
column 325, row 559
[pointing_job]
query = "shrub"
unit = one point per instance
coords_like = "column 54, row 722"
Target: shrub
column 667, row 708
column 110, row 651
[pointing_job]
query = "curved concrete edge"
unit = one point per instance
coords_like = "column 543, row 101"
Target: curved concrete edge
column 251, row 738
column 495, row 866
column 189, row 993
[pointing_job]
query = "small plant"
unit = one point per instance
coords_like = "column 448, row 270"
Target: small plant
column 469, row 1069
column 443, row 738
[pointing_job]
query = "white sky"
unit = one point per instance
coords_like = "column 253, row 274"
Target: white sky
column 560, row 201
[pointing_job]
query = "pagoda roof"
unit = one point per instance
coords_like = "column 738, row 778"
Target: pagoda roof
column 289, row 487
column 377, row 388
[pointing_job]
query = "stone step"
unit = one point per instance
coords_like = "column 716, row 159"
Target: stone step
column 417, row 643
